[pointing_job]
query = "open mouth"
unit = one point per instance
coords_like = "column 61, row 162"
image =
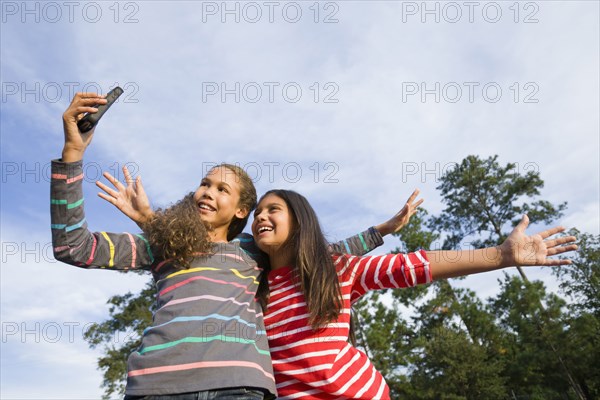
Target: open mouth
column 263, row 229
column 205, row 207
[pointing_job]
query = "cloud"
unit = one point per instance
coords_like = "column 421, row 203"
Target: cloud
column 388, row 102
column 46, row 308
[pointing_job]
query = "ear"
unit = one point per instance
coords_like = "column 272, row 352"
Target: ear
column 241, row 213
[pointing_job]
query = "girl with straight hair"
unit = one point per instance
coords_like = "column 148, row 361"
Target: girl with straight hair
column 311, row 293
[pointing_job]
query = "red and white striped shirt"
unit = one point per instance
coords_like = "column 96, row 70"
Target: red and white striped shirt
column 322, row 364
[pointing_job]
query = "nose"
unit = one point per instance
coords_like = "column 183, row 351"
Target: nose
column 207, row 193
column 203, row 192
column 260, row 216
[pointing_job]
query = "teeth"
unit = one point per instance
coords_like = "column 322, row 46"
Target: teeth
column 205, row 207
column 264, row 229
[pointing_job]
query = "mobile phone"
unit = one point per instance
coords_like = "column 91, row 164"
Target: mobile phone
column 91, row 119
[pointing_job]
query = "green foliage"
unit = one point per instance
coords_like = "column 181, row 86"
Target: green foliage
column 457, row 346
column 482, row 197
column 582, row 352
column 120, row 335
column 441, row 342
column 581, row 283
column 385, row 331
column 413, row 237
column 451, row 366
column 581, row 280
column 536, row 364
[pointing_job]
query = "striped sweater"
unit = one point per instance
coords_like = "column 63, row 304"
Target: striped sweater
column 207, row 332
column 322, row 364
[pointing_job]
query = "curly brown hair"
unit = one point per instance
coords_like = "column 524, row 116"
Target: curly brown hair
column 177, row 233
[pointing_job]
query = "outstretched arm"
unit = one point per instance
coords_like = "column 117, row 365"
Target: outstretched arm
column 406, row 270
column 518, row 249
column 72, row 242
column 372, row 238
column 400, row 220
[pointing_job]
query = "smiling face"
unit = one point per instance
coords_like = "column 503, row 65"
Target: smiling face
column 218, row 198
column 271, row 228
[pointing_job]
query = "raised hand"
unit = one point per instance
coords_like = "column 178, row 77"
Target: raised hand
column 400, row 220
column 76, row 142
column 520, row 249
column 131, row 199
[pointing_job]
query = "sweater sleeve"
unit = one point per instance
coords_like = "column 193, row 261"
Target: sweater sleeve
column 248, row 245
column 390, row 271
column 73, row 243
column 359, row 244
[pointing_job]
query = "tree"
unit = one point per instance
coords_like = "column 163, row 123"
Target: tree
column 533, row 336
column 482, row 197
column 456, row 348
column 582, row 351
column 438, row 341
column 384, row 330
column 120, row 335
column 581, row 283
column 452, row 367
column 483, row 200
column 419, row 340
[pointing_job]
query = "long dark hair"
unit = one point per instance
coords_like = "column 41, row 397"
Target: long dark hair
column 313, row 266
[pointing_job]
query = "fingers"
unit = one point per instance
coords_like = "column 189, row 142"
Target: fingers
column 82, row 103
column 418, row 203
column 80, row 95
column 559, row 241
column 89, row 105
column 107, row 189
column 87, row 99
column 410, row 209
column 131, row 182
column 554, row 262
column 552, row 231
column 562, row 249
column 409, row 203
column 116, row 183
column 80, row 110
column 139, row 188
column 91, row 101
column 110, row 199
column 523, row 224
column 127, row 174
column 413, row 196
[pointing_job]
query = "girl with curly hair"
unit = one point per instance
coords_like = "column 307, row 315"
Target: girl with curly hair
column 208, row 337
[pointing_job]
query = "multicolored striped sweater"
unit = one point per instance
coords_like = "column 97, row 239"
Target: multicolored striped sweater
column 322, row 364
column 207, row 332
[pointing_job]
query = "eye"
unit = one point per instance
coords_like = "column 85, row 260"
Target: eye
column 223, row 189
column 203, row 183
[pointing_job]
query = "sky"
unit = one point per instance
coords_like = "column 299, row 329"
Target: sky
column 352, row 103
